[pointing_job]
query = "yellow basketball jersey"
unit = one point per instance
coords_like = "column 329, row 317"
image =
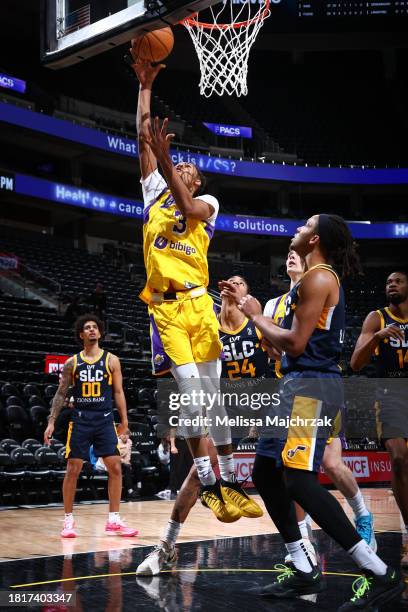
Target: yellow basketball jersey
column 175, row 248
column 279, row 312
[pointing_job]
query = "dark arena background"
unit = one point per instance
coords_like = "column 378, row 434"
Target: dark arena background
column 323, row 129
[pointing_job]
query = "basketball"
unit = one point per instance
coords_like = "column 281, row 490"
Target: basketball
column 153, row 46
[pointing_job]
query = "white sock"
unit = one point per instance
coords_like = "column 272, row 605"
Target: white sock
column 205, row 471
column 171, row 532
column 69, row 516
column 299, row 556
column 227, row 467
column 303, row 529
column 358, row 505
column 366, row 558
column 114, row 517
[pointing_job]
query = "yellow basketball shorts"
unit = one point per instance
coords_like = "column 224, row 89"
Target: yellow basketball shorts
column 183, row 331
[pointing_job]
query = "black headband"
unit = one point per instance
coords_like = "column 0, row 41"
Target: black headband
column 323, row 226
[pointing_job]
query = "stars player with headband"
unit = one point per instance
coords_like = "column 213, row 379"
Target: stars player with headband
column 385, row 335
column 96, row 378
column 179, row 222
column 243, row 357
column 333, row 464
column 310, row 340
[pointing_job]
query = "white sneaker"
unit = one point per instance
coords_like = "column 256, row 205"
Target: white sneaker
column 162, row 557
column 310, row 551
column 163, row 494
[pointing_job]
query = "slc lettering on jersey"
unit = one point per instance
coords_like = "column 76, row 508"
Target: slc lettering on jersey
column 90, row 375
column 231, row 353
column 397, row 342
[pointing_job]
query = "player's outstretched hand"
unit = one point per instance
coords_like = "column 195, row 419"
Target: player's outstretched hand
column 392, row 331
column 145, row 71
column 229, row 290
column 250, row 306
column 159, row 140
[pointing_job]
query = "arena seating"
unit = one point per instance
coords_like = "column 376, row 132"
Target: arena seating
column 29, row 330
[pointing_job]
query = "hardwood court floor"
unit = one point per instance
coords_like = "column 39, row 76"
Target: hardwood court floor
column 31, row 533
column 212, row 575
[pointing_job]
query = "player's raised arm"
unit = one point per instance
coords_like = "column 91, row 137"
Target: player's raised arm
column 312, row 299
column 370, row 337
column 118, row 393
column 146, row 73
column 182, row 191
column 59, row 398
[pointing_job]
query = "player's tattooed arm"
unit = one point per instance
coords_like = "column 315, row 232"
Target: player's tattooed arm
column 65, row 382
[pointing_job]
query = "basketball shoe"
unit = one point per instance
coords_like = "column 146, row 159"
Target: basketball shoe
column 372, row 592
column 68, row 530
column 292, row 582
column 365, row 529
column 213, row 498
column 162, row 557
column 120, row 529
column 235, row 494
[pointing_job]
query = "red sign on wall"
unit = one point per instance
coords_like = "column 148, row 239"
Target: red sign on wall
column 366, row 466
column 55, row 363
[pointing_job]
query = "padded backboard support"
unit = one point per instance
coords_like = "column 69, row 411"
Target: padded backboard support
column 71, row 37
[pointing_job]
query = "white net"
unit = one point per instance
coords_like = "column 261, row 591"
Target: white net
column 223, row 44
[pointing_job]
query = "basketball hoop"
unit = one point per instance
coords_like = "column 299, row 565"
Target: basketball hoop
column 223, row 47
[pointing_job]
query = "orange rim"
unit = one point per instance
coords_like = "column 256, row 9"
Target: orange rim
column 192, row 21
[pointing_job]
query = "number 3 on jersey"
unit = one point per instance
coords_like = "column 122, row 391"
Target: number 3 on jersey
column 180, row 226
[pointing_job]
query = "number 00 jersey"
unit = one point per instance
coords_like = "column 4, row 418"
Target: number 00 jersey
column 92, row 381
column 323, row 350
column 392, row 353
column 243, row 356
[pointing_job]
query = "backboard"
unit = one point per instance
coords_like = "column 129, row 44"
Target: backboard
column 74, row 30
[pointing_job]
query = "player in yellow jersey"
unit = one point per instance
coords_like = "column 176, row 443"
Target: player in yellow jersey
column 179, row 221
column 333, row 464
column 252, row 365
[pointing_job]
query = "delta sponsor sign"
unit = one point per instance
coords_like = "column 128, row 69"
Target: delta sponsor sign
column 366, row 467
column 232, row 131
column 55, row 363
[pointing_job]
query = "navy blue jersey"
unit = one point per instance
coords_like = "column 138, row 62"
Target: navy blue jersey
column 392, row 353
column 92, row 381
column 323, row 350
column 242, row 354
